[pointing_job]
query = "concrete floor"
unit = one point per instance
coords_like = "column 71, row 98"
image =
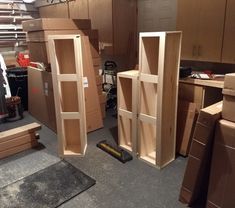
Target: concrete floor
column 131, row 185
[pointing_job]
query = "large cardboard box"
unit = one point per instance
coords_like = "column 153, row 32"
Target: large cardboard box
column 229, row 97
column 42, row 36
column 195, row 182
column 222, row 178
column 41, row 97
column 56, row 24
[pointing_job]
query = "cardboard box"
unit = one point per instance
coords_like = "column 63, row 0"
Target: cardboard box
column 229, row 97
column 99, row 80
column 195, row 182
column 97, row 61
column 39, row 52
column 56, row 24
column 222, row 178
column 41, row 97
column 103, row 109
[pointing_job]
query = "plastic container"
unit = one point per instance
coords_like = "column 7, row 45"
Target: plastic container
column 18, row 81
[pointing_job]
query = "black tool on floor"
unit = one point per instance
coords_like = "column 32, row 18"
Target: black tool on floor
column 120, row 154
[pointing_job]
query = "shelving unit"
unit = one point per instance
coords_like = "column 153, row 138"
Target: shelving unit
column 12, row 13
column 127, row 109
column 67, row 72
column 159, row 56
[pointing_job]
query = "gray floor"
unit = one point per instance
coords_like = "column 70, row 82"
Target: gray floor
column 134, row 184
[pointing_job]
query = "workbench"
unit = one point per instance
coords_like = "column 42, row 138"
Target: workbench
column 201, row 92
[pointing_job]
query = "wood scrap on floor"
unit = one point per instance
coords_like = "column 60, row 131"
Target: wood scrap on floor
column 18, row 139
column 185, row 125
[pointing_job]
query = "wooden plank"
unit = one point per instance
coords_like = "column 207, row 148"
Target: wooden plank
column 70, row 115
column 18, row 149
column 91, row 92
column 20, row 131
column 147, row 119
column 185, row 126
column 17, row 141
column 148, row 78
column 125, row 113
column 205, row 83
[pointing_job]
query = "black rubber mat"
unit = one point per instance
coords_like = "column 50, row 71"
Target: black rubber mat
column 48, row 188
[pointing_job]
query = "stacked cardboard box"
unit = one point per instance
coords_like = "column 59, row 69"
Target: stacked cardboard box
column 222, row 177
column 38, row 31
column 195, row 181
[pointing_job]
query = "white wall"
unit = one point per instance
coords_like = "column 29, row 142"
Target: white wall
column 156, row 15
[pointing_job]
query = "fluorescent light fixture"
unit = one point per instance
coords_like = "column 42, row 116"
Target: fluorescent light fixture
column 29, row 1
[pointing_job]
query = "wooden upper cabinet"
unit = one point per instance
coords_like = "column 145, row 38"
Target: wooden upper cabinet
column 187, row 22
column 210, row 31
column 202, row 23
column 228, row 53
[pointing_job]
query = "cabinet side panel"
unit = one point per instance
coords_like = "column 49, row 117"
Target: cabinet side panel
column 170, row 97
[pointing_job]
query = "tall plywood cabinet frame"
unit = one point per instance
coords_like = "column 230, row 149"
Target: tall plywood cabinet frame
column 159, row 58
column 67, row 73
column 127, row 86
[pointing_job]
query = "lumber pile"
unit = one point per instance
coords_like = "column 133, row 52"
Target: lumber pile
column 18, row 139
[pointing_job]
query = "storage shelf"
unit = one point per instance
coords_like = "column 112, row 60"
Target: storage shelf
column 159, row 57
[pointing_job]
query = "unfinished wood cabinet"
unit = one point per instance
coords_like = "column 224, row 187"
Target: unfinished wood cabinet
column 127, row 109
column 228, row 53
column 67, row 72
column 202, row 23
column 158, row 93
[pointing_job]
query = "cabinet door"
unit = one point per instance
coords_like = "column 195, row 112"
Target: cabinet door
column 228, row 54
column 210, row 30
column 187, row 21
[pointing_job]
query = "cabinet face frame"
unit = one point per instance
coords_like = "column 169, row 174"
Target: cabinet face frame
column 127, row 86
column 70, row 116
column 166, row 79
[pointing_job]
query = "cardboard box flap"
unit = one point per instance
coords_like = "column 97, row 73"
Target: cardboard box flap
column 229, row 81
column 42, row 36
